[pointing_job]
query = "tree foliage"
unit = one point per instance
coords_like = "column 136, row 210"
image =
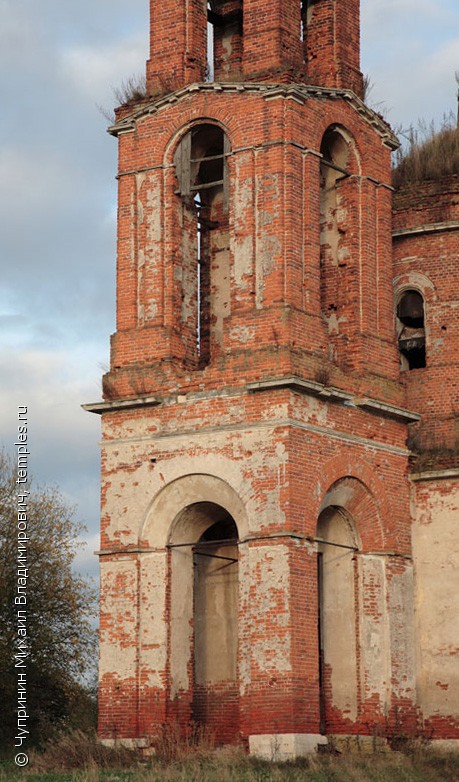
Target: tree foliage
column 60, row 640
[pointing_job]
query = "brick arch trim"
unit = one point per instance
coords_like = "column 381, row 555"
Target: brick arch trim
column 356, row 500
column 355, row 487
column 180, row 132
column 355, row 157
column 160, row 526
column 415, row 281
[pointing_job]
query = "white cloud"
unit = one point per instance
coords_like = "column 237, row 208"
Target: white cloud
column 32, row 179
column 409, row 49
column 62, row 437
column 93, row 70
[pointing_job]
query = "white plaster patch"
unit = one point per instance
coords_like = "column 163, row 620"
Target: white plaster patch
column 118, row 637
column 243, row 334
column 401, row 613
column 278, row 747
column 436, row 556
column 270, row 606
column 374, row 630
column 152, row 624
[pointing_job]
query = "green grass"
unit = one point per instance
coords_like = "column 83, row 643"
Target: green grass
column 426, row 767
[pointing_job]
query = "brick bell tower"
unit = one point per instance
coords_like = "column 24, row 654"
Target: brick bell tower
column 256, row 574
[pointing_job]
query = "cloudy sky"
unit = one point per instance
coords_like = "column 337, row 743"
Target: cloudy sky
column 60, row 61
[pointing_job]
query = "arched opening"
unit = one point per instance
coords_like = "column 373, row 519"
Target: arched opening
column 225, row 30
column 215, row 623
column 204, row 619
column 201, row 163
column 335, row 206
column 411, row 330
column 305, row 19
column 210, row 68
column 337, row 598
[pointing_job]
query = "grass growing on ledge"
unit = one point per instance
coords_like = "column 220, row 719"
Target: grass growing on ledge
column 132, row 90
column 429, row 155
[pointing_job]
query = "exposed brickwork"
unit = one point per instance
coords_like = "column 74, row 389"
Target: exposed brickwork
column 427, row 259
column 276, row 42
column 285, row 411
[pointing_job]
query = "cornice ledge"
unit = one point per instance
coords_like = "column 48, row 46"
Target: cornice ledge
column 333, row 394
column 121, row 404
column 303, row 91
column 428, row 228
column 115, row 551
column 434, row 475
column 300, row 92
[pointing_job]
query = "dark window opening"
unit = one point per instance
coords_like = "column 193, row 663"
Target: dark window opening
column 306, row 10
column 201, row 163
column 335, row 152
column 411, row 330
column 210, row 70
column 223, row 530
column 215, row 621
column 305, row 16
column 225, row 30
column 303, row 19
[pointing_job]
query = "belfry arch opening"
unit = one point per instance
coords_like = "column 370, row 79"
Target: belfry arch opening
column 337, row 205
column 305, row 18
column 224, row 38
column 411, row 330
column 337, row 616
column 201, row 165
column 204, row 607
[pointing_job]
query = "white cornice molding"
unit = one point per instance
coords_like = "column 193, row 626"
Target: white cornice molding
column 298, row 92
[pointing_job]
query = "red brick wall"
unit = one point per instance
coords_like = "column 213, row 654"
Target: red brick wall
column 272, row 46
column 284, row 454
column 428, row 260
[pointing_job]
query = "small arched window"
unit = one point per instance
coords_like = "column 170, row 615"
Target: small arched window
column 411, row 330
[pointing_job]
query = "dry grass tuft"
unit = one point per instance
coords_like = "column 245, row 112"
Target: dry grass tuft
column 132, row 90
column 430, row 154
column 79, row 750
column 192, row 758
column 175, row 743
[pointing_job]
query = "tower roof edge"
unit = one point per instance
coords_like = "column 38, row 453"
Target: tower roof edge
column 269, row 91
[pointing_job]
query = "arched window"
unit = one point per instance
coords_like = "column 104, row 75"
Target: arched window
column 334, row 237
column 201, row 163
column 411, row 330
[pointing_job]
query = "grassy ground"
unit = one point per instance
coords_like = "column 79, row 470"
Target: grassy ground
column 394, row 767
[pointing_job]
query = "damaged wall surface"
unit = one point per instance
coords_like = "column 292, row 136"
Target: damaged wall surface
column 279, row 465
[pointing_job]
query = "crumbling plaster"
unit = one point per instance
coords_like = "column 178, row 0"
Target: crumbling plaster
column 436, row 553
